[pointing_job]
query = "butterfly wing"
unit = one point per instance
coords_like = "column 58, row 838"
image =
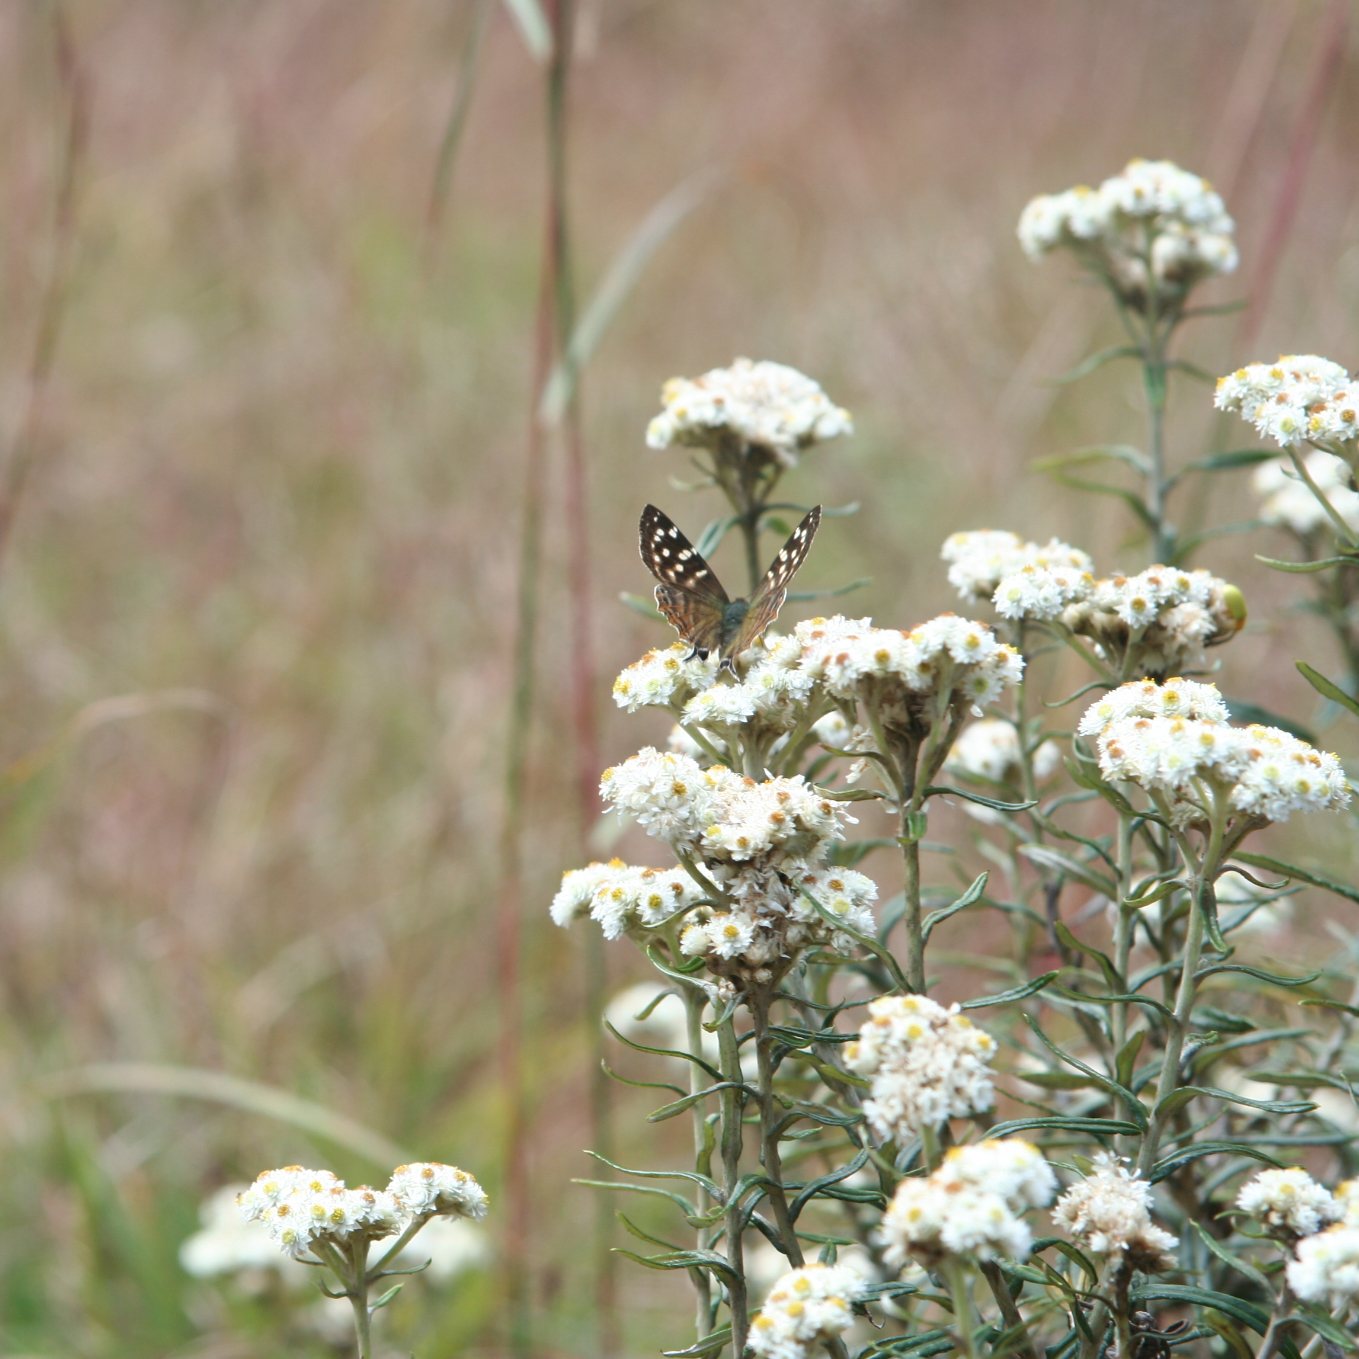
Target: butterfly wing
column 689, row 594
column 773, row 589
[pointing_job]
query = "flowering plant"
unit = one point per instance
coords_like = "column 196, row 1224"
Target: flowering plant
column 894, row 1137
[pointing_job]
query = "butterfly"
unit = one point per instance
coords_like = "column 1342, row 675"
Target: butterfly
column 693, row 600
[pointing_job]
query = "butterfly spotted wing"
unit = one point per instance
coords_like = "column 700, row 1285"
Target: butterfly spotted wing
column 689, row 594
column 692, row 598
column 773, row 589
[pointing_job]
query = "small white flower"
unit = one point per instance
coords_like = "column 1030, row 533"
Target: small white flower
column 971, row 1205
column 432, row 1187
column 1300, row 397
column 767, row 405
column 1327, row 1268
column 1290, row 1200
column 1110, row 1212
column 662, row 678
column 806, row 1307
column 927, row 1064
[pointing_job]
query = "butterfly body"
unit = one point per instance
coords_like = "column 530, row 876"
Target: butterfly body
column 692, row 598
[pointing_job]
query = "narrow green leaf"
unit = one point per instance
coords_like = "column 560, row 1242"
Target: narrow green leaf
column 1181, row 1096
column 387, row 1296
column 1247, row 1313
column 1126, row 1061
column 1082, row 457
column 688, row 1259
column 833, row 593
column 634, row 1230
column 1130, row 1101
column 968, row 898
column 1029, row 988
column 1172, row 1162
column 1273, row 978
column 1073, row 868
column 710, row 1344
column 1242, row 1267
column 1327, row 1327
column 1301, row 874
column 641, row 604
column 1072, row 1253
column 945, row 791
column 1327, row 688
column 1094, row 361
column 1236, row 457
column 665, row 1052
column 1306, row 568
column 1096, row 1127
column 872, row 946
column 711, row 537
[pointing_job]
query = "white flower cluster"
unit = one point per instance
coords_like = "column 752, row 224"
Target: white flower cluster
column 806, row 1307
column 1110, row 1212
column 1154, row 222
column 980, row 559
column 621, row 897
column 772, row 693
column 1302, row 397
column 301, row 1207
column 1169, row 615
column 971, row 1205
column 1290, row 1201
column 765, row 405
column 664, row 678
column 720, row 814
column 772, row 921
column 927, row 1064
column 1268, row 773
column 945, row 660
column 1289, row 502
column 989, row 749
column 1327, row 1267
column 430, row 1188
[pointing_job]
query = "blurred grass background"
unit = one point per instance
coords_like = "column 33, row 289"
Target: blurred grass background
column 275, row 507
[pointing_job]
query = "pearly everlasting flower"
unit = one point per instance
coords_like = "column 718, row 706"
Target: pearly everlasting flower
column 980, row 559
column 1110, row 1212
column 1300, row 398
column 1327, row 1268
column 621, row 897
column 301, row 1207
column 1146, row 698
column 1041, row 592
column 430, row 1187
column 663, row 678
column 1289, row 502
column 1154, row 229
column 971, row 1205
column 1268, row 773
column 1290, row 1201
column 768, row 406
column 805, row 1308
column 989, row 749
column 771, row 693
column 1169, row 616
column 911, row 677
column 927, row 1064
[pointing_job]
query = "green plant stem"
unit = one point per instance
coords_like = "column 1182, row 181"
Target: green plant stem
column 769, row 1128
column 694, row 1003
column 1154, row 383
column 731, row 1175
column 908, row 797
column 954, row 1272
column 1024, row 1343
column 1204, row 873
column 1342, row 530
column 1123, row 927
column 1122, row 1320
column 1279, row 1318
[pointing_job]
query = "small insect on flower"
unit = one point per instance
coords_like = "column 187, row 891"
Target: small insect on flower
column 692, row 598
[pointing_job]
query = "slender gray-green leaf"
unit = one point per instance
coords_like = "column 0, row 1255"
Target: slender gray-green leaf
column 1301, row 874
column 618, row 282
column 533, row 27
column 1327, row 688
